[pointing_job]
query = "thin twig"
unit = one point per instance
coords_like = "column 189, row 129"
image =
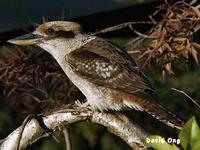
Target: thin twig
column 191, row 99
column 120, row 26
column 66, row 134
column 26, row 120
column 140, row 34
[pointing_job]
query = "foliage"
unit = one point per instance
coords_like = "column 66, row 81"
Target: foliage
column 172, row 35
column 190, row 135
column 189, row 138
column 32, row 84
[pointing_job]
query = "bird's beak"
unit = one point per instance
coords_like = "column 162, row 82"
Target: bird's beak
column 27, row 39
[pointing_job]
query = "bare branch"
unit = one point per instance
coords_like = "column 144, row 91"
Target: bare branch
column 191, row 99
column 120, row 26
column 66, row 134
column 116, row 123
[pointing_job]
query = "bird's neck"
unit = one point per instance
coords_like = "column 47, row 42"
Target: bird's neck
column 60, row 47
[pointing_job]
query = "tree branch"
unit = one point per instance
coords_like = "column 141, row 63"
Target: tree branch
column 116, row 123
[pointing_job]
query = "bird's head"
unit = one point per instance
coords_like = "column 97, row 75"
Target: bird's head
column 53, row 37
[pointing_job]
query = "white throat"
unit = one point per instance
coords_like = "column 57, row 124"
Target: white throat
column 60, row 47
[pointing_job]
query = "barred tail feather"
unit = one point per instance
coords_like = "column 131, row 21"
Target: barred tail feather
column 162, row 114
column 155, row 109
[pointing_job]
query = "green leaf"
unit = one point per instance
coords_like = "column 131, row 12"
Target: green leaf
column 190, row 135
column 159, row 143
column 195, row 144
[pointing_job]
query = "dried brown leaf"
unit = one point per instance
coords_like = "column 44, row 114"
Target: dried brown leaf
column 196, row 10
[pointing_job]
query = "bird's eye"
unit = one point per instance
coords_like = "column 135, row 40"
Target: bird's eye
column 50, row 31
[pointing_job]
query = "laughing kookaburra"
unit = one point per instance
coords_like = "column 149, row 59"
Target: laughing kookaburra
column 105, row 73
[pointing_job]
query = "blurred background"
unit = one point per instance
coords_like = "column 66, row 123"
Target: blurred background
column 32, row 82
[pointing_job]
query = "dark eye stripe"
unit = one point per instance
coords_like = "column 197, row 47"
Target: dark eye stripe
column 66, row 34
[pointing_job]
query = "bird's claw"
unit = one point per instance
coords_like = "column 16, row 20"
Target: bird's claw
column 81, row 104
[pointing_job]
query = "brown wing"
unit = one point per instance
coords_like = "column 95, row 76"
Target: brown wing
column 105, row 64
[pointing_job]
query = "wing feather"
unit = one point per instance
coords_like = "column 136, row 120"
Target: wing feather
column 105, row 64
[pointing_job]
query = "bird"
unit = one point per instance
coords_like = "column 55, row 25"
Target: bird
column 103, row 71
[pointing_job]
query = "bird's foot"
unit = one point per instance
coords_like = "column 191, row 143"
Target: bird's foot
column 81, row 104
